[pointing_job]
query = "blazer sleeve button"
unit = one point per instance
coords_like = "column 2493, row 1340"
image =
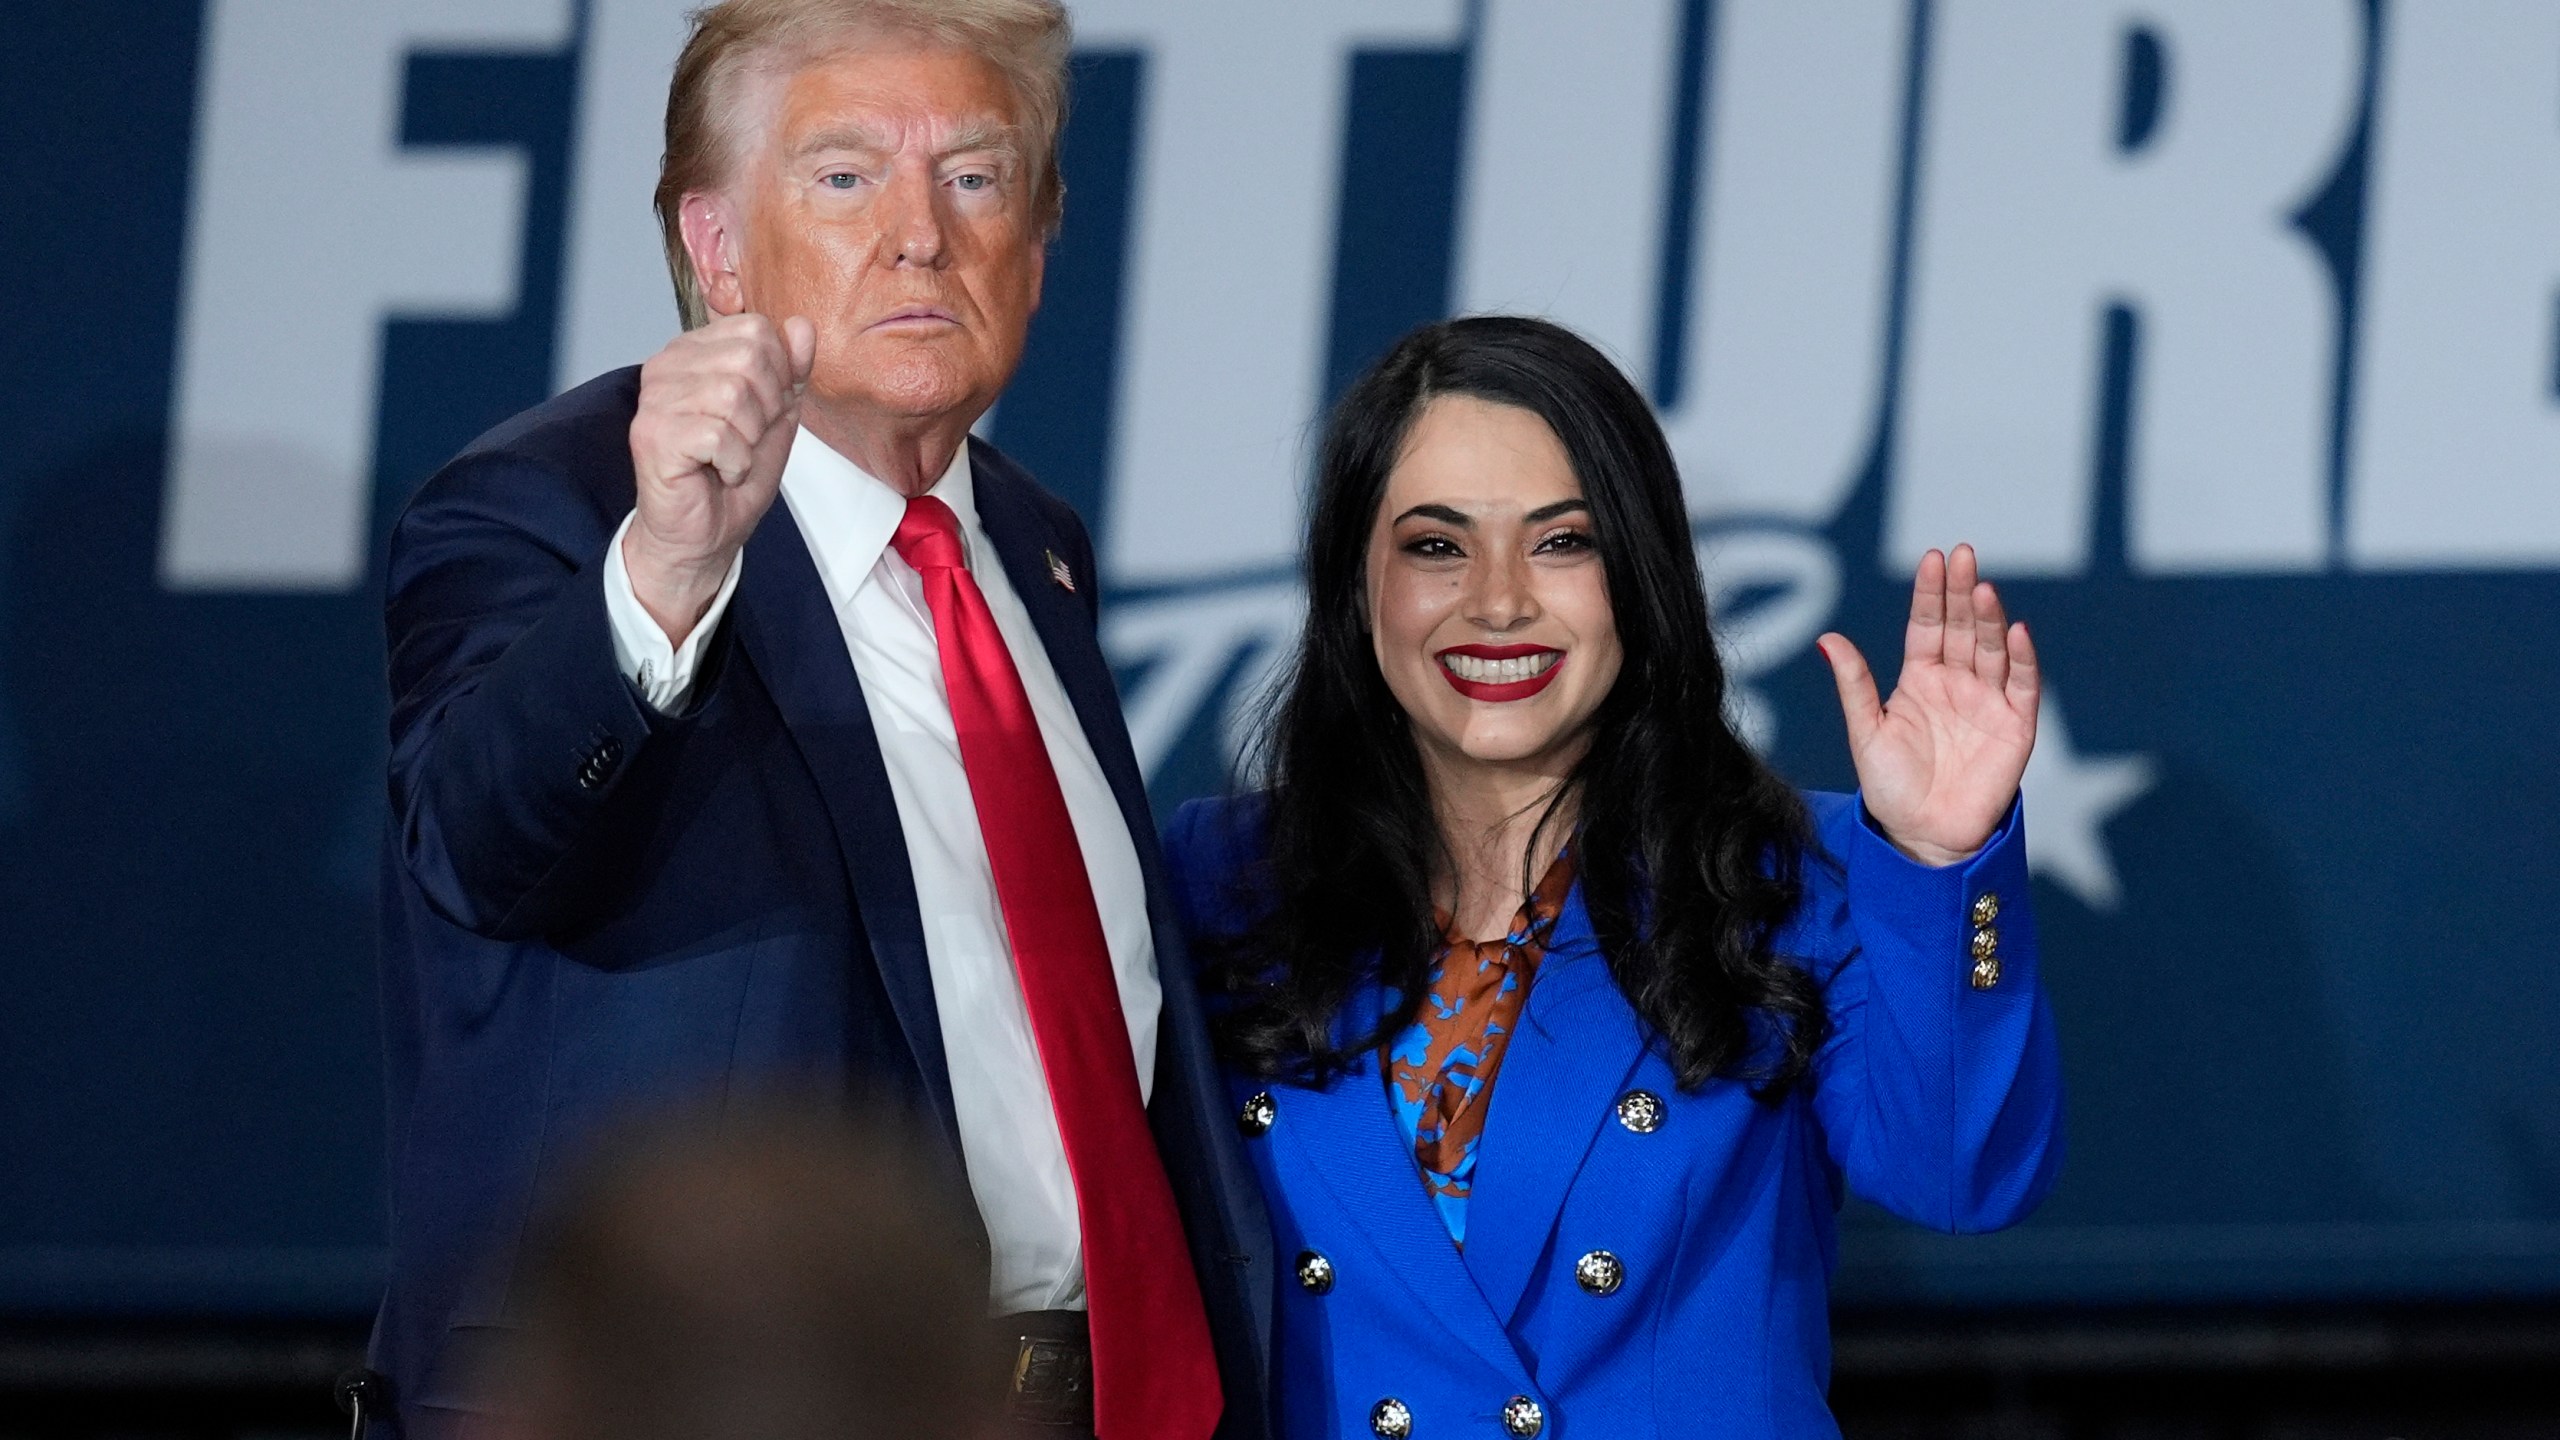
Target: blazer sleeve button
column 1986, row 908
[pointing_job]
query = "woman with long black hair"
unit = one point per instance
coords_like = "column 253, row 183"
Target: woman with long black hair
column 1559, row 1024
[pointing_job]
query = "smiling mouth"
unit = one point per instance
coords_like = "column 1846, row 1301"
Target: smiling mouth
column 1499, row 672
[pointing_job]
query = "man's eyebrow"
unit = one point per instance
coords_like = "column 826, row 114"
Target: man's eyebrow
column 981, row 135
column 984, row 135
column 1440, row 513
column 1545, row 513
column 841, row 137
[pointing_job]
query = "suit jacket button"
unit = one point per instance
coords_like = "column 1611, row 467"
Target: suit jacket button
column 1522, row 1417
column 1986, row 908
column 1258, row 1114
column 1392, row 1419
column 1985, row 943
column 1600, row 1273
column 1641, row 1111
column 1986, row 972
column 1315, row 1273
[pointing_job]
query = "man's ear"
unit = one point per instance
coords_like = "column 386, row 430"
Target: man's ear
column 710, row 226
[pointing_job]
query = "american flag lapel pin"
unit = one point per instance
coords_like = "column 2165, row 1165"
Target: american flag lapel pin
column 1059, row 572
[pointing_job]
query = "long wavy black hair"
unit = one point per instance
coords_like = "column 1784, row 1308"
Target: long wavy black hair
column 1689, row 850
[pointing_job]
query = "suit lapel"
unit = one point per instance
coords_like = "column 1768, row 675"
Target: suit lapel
column 1024, row 541
column 1578, row 1041
column 790, row 631
column 1347, row 1135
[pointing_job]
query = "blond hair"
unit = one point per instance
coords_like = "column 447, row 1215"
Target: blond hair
column 1026, row 40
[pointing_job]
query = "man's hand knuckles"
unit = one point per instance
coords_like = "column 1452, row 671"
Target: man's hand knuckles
column 741, row 350
column 740, row 396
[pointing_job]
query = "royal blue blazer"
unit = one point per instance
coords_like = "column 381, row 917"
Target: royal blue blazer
column 591, row 909
column 1712, row 1212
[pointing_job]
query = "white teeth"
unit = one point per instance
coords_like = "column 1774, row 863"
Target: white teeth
column 1500, row 672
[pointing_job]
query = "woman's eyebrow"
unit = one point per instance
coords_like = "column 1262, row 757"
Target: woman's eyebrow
column 1545, row 513
column 1440, row 513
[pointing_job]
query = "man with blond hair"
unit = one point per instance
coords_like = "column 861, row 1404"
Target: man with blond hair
column 694, row 793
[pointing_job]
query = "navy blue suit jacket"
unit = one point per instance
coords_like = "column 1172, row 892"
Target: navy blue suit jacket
column 589, row 907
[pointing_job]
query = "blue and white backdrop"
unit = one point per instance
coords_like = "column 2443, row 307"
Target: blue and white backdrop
column 2230, row 332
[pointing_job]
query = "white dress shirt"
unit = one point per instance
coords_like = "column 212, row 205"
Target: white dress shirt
column 1008, row 1128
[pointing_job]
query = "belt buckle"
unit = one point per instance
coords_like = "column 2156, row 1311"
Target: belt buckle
column 1052, row 1383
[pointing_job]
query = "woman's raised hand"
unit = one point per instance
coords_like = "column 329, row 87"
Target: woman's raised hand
column 1939, row 763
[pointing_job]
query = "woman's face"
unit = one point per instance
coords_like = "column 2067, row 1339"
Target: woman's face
column 1488, row 604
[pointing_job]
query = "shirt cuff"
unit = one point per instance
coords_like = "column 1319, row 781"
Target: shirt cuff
column 660, row 671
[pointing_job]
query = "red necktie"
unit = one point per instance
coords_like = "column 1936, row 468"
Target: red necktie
column 1155, row 1377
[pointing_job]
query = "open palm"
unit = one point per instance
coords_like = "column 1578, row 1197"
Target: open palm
column 1939, row 763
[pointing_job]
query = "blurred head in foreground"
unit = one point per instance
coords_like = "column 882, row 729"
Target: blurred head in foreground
column 782, row 1275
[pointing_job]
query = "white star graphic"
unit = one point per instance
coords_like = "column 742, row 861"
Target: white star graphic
column 2070, row 798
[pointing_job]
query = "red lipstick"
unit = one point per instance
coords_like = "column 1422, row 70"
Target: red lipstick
column 1497, row 691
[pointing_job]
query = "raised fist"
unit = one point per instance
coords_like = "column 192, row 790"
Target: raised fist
column 718, row 409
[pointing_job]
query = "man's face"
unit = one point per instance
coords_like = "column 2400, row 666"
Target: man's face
column 885, row 194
